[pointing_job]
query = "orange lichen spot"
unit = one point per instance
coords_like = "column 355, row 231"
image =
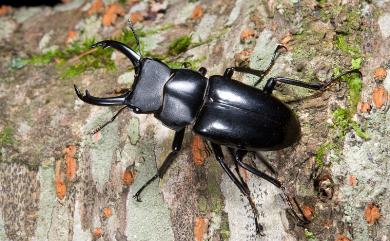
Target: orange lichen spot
column 70, row 36
column 242, row 56
column 107, row 212
column 341, row 237
column 379, row 97
column 128, row 177
column 5, row 10
column 352, row 180
column 111, row 13
column 198, row 12
column 199, row 151
column 59, row 182
column 286, row 39
column 380, row 74
column 131, row 2
column 96, row 6
column 200, row 228
column 247, row 34
column 364, row 107
column 60, row 189
column 308, row 212
column 97, row 232
column 372, row 213
column 136, row 17
column 71, row 165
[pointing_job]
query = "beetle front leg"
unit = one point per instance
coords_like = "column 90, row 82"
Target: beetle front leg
column 202, row 71
column 176, row 146
column 240, row 184
column 259, row 73
column 108, row 122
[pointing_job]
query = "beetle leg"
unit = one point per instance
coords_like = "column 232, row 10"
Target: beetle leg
column 271, row 83
column 108, row 122
column 239, row 154
column 242, row 186
column 259, row 73
column 261, row 158
column 202, row 71
column 176, row 146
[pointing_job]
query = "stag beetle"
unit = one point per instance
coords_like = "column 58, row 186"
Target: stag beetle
column 224, row 111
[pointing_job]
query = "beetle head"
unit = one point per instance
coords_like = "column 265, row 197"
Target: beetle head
column 149, row 80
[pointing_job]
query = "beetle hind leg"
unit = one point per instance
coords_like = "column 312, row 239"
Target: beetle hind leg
column 238, row 160
column 241, row 184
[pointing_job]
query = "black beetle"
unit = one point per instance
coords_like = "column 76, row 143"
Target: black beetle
column 224, row 111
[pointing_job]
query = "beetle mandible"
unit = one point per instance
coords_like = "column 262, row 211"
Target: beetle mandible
column 222, row 110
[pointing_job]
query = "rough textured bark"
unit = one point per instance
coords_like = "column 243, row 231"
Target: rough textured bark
column 58, row 182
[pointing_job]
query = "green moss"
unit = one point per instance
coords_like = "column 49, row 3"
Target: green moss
column 310, row 236
column 202, row 204
column 354, row 83
column 7, row 137
column 321, row 152
column 78, row 57
column 225, row 231
column 342, row 120
column 350, row 47
column 359, row 132
column 179, row 45
column 191, row 63
column 44, row 58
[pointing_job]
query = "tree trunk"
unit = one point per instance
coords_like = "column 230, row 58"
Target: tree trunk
column 59, row 182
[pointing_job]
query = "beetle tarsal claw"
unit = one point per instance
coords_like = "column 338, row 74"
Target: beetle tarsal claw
column 137, row 197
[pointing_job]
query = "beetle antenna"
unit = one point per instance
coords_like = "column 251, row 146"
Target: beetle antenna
column 131, row 26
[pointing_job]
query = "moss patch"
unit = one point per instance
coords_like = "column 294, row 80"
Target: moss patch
column 310, row 236
column 354, row 83
column 7, row 137
column 79, row 57
column 179, row 45
column 342, row 119
column 321, row 152
column 348, row 46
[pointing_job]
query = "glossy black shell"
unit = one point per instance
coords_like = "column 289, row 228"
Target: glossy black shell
column 183, row 96
column 241, row 116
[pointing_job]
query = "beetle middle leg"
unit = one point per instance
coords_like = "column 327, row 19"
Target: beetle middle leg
column 242, row 186
column 176, row 146
column 271, row 83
